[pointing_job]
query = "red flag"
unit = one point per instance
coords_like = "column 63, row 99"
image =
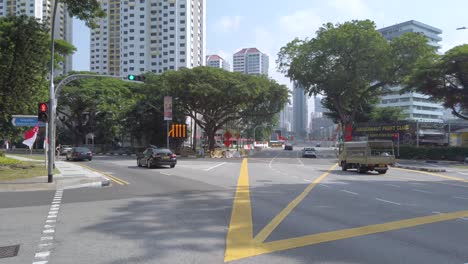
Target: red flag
column 30, row 136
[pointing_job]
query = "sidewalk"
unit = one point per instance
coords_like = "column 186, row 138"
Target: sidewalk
column 71, row 176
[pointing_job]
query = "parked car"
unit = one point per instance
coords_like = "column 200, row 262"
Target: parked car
column 152, row 157
column 309, row 152
column 79, row 153
column 64, row 149
column 288, row 146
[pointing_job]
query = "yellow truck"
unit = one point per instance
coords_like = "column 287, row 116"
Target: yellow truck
column 366, row 156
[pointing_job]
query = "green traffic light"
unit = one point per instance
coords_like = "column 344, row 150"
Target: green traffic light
column 131, row 77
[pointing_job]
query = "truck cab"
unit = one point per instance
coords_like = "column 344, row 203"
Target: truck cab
column 366, row 156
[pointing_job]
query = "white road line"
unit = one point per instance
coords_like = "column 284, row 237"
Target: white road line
column 393, row 185
column 323, row 185
column 307, row 180
column 459, row 197
column 43, row 254
column 421, row 191
column 436, row 212
column 353, row 193
column 386, row 201
column 464, row 173
column 296, row 177
column 215, row 166
column 271, row 161
column 46, row 238
column 48, row 231
column 300, row 161
column 40, row 262
column 165, row 173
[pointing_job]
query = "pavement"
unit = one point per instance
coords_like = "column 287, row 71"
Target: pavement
column 72, row 175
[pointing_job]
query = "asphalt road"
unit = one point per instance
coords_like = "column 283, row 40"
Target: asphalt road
column 275, row 207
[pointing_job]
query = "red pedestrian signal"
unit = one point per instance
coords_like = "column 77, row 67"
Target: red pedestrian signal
column 42, row 112
column 396, row 135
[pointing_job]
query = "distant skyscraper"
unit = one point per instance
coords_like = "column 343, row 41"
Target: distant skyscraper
column 42, row 10
column 285, row 118
column 318, row 106
column 149, row 36
column 217, row 62
column 251, row 61
column 416, row 106
column 300, row 111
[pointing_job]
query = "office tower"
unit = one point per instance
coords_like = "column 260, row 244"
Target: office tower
column 139, row 36
column 416, row 106
column 216, row 61
column 300, row 111
column 251, row 61
column 42, row 10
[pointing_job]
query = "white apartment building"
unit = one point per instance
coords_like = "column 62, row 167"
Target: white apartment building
column 416, row 106
column 42, row 10
column 251, row 61
column 139, row 36
column 216, row 61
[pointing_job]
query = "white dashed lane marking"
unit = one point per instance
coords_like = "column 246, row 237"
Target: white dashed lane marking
column 47, row 240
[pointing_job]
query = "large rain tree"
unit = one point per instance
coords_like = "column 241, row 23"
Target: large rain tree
column 445, row 78
column 214, row 97
column 351, row 64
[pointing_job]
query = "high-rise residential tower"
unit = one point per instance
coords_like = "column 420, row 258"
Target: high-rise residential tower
column 300, row 111
column 416, row 106
column 139, row 36
column 217, row 62
column 251, row 61
column 42, row 10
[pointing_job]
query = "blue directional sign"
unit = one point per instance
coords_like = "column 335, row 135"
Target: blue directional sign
column 28, row 121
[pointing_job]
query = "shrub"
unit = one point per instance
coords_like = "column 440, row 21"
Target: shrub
column 435, row 153
column 8, row 161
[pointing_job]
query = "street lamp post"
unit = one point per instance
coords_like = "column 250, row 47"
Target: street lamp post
column 52, row 103
column 462, row 28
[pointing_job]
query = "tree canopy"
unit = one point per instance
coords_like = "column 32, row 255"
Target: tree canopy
column 214, row 97
column 445, row 78
column 351, row 64
column 88, row 11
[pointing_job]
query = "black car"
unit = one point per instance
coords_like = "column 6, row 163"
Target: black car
column 79, row 153
column 155, row 157
column 288, row 146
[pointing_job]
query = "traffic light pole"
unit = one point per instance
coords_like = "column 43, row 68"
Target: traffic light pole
column 52, row 104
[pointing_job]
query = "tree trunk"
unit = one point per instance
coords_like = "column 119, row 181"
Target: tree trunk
column 211, row 132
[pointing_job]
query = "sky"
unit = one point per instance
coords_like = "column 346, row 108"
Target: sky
column 270, row 24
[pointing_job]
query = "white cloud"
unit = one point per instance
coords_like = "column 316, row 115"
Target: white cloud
column 355, row 8
column 301, row 24
column 228, row 23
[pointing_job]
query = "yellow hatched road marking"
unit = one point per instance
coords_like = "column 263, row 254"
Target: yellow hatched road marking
column 240, row 242
column 112, row 178
column 434, row 174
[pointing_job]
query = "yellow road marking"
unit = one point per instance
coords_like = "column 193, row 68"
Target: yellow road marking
column 419, row 180
column 241, row 244
column 112, row 178
column 434, row 174
column 268, row 229
column 240, row 233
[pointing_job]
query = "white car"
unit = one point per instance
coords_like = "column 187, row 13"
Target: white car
column 309, row 152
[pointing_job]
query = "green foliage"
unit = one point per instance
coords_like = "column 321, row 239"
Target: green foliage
column 350, row 64
column 8, row 161
column 386, row 114
column 445, row 78
column 214, row 97
column 434, row 153
column 2, row 153
column 94, row 105
column 87, row 10
column 23, row 67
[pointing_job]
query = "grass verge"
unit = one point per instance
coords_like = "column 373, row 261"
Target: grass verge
column 12, row 169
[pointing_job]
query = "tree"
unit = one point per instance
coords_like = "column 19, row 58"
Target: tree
column 87, row 10
column 23, row 61
column 214, row 97
column 94, row 105
column 444, row 78
column 351, row 64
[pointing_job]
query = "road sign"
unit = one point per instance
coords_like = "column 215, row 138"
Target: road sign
column 167, row 107
column 26, row 121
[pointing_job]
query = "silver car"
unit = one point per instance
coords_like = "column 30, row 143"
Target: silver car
column 309, row 152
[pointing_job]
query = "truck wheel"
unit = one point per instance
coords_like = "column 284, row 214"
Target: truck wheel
column 361, row 169
column 344, row 166
column 382, row 171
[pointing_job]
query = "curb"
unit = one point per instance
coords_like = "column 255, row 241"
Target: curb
column 419, row 168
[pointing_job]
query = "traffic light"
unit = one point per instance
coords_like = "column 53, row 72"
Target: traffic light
column 178, row 131
column 43, row 112
column 133, row 77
